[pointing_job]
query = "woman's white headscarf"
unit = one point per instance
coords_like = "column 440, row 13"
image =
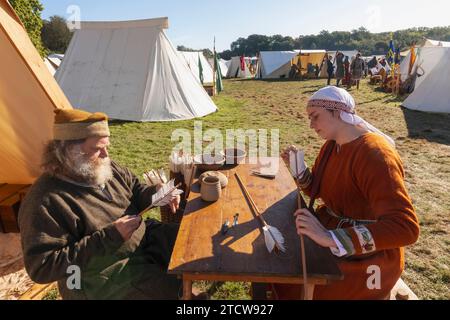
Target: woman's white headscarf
column 333, row 98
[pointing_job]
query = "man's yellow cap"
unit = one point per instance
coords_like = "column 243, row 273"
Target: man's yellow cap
column 75, row 124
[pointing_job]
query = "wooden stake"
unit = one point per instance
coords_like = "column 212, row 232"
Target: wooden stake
column 302, row 205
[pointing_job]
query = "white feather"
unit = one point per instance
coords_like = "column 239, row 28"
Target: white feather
column 273, row 238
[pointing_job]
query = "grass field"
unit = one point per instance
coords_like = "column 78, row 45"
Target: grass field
column 423, row 141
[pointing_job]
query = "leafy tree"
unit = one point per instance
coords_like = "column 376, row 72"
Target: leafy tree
column 29, row 12
column 56, row 35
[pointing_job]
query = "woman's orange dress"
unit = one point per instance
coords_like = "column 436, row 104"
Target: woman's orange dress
column 364, row 180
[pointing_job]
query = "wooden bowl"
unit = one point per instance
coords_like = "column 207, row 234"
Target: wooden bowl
column 234, row 156
column 209, row 162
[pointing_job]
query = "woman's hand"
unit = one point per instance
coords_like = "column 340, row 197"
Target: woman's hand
column 308, row 225
column 297, row 164
column 286, row 152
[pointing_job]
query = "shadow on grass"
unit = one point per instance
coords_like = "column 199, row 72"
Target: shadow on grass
column 433, row 127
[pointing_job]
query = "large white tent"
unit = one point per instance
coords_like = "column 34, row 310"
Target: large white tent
column 432, row 90
column 131, row 71
column 235, row 69
column 193, row 60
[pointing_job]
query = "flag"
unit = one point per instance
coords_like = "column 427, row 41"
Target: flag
column 391, row 53
column 200, row 69
column 397, row 56
column 219, row 83
column 243, row 63
column 412, row 59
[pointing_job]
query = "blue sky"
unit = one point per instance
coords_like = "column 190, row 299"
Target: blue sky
column 194, row 23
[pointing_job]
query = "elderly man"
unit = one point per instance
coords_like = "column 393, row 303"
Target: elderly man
column 80, row 219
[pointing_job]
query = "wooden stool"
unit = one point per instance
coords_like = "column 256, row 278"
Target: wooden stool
column 10, row 197
column 402, row 292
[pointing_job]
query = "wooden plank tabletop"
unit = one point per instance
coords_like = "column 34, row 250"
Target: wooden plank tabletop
column 202, row 249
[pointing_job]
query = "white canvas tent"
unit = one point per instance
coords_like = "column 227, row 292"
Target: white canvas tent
column 271, row 61
column 427, row 43
column 277, row 64
column 192, row 61
column 131, row 71
column 436, row 43
column 432, row 90
column 224, row 65
column 51, row 68
column 56, row 59
column 235, row 70
column 28, row 97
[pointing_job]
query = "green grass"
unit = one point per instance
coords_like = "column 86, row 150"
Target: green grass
column 423, row 141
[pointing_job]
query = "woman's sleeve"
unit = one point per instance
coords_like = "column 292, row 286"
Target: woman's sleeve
column 379, row 175
column 305, row 182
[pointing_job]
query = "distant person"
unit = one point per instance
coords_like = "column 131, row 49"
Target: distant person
column 373, row 63
column 294, row 72
column 357, row 69
column 310, row 69
column 317, row 70
column 330, row 68
column 347, row 76
column 340, row 71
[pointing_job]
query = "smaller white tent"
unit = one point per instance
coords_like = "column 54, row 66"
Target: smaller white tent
column 432, row 90
column 224, row 65
column 192, row 60
column 436, row 43
column 50, row 66
column 235, row 70
column 271, row 61
column 56, row 59
column 277, row 64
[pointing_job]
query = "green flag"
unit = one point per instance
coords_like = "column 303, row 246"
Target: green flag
column 219, row 83
column 200, row 69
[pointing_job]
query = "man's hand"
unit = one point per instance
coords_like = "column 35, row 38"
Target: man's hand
column 308, row 225
column 174, row 204
column 127, row 226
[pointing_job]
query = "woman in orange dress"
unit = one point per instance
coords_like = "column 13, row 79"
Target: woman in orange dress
column 367, row 217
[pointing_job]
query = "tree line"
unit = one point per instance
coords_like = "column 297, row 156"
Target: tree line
column 359, row 39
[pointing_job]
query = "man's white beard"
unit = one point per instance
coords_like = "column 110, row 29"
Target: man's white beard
column 89, row 172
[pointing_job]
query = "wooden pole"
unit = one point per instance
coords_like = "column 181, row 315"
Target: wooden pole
column 302, row 205
column 214, row 68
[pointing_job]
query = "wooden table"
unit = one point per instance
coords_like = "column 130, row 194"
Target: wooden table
column 202, row 252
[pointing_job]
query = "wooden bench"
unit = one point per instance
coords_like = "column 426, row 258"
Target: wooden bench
column 402, row 292
column 38, row 291
column 10, row 197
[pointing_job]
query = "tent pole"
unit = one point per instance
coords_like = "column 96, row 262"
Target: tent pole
column 214, row 68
